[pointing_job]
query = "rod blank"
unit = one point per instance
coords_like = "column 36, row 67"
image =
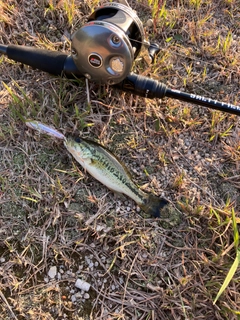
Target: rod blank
column 203, row 101
column 3, row 49
column 149, row 88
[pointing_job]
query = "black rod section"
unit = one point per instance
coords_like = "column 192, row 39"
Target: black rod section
column 45, row 60
column 203, row 101
column 142, row 86
column 53, row 62
column 3, row 49
column 149, row 88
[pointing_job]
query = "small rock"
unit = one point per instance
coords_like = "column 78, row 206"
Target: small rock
column 149, row 23
column 52, row 272
column 86, row 296
column 78, row 295
column 82, row 285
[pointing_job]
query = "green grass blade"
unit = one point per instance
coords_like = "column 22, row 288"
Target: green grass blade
column 235, row 230
column 229, row 276
column 236, row 262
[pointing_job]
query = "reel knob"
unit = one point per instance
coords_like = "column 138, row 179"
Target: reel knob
column 105, row 47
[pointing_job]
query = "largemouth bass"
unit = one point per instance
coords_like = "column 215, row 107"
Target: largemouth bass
column 106, row 168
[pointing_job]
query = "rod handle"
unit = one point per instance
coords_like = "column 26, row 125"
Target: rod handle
column 45, row 60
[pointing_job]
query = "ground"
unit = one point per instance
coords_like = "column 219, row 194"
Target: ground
column 58, row 224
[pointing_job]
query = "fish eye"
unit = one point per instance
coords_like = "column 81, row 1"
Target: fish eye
column 78, row 139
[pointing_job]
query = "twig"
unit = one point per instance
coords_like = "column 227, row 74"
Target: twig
column 8, row 305
column 101, row 211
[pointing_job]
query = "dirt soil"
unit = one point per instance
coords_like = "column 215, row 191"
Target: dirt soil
column 58, row 224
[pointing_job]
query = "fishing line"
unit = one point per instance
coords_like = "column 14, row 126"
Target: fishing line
column 188, row 57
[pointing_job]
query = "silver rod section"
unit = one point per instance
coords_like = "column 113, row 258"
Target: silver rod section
column 3, row 49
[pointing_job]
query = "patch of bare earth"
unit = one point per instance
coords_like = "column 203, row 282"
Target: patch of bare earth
column 58, row 224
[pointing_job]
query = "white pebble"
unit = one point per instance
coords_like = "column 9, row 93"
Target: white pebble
column 78, row 295
column 52, row 272
column 121, row 280
column 86, row 296
column 83, row 285
column 149, row 23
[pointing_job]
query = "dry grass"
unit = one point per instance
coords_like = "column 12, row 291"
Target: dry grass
column 54, row 214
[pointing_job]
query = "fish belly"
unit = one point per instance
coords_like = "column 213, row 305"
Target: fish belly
column 117, row 182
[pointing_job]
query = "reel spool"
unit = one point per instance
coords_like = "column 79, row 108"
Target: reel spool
column 105, row 47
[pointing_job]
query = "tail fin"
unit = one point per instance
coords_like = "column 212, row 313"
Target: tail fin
column 153, row 205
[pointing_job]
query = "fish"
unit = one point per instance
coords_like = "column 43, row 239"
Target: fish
column 43, row 128
column 105, row 167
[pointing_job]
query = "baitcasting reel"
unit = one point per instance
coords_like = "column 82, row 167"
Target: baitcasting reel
column 105, row 47
column 104, row 50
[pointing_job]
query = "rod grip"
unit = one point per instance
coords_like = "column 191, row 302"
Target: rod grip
column 45, row 60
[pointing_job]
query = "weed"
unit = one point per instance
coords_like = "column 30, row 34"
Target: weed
column 68, row 6
column 195, row 3
column 217, row 120
column 236, row 262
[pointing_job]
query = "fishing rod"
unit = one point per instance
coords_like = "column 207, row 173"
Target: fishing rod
column 103, row 50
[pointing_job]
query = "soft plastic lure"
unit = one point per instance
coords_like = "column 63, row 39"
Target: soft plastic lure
column 43, row 128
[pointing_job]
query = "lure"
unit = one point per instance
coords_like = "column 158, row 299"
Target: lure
column 43, row 128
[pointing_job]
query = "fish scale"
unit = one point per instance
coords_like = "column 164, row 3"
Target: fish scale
column 104, row 167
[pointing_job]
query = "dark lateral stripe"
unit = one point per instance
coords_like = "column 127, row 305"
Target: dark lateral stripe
column 104, row 160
